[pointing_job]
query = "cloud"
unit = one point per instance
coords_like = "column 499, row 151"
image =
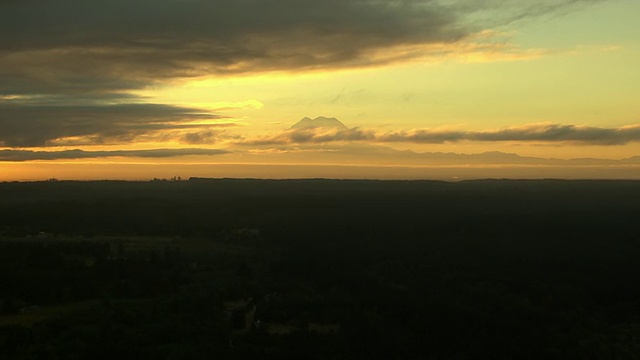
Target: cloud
column 545, row 132
column 88, row 46
column 314, row 135
column 533, row 133
column 491, row 13
column 27, row 124
column 206, row 137
column 29, row 155
column 68, row 67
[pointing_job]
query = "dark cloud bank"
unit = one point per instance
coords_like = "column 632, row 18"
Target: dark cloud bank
column 73, row 46
column 26, row 125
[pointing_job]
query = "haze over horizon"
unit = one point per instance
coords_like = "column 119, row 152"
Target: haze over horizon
column 426, row 89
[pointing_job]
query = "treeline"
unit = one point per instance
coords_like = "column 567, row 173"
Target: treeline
column 566, row 209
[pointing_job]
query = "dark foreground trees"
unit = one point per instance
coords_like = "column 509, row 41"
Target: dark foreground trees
column 320, row 269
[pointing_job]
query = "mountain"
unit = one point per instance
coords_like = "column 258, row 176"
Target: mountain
column 321, row 122
column 374, row 154
column 633, row 160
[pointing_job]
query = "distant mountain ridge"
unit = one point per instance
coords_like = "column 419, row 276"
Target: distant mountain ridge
column 319, row 122
column 388, row 155
column 382, row 154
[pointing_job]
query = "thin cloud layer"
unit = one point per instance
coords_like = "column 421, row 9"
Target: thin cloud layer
column 29, row 155
column 584, row 135
column 541, row 133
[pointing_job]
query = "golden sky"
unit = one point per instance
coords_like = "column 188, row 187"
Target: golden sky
column 142, row 89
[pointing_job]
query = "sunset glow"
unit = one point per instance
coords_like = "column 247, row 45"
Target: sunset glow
column 212, row 89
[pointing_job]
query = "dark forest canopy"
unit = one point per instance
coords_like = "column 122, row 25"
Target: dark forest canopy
column 238, row 269
column 203, row 206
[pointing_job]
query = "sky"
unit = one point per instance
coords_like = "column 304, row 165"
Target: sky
column 433, row 89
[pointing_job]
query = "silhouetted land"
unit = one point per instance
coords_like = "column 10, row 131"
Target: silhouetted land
column 323, row 269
